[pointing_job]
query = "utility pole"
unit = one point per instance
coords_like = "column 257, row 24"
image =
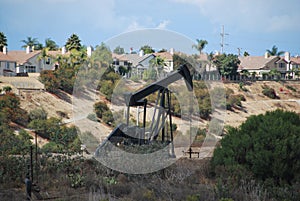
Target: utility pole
column 239, row 51
column 222, row 39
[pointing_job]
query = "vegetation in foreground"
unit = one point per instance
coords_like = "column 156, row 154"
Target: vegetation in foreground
column 256, row 161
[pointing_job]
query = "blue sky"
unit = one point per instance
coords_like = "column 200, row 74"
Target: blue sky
column 252, row 25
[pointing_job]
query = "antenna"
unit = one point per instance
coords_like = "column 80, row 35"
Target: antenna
column 222, row 39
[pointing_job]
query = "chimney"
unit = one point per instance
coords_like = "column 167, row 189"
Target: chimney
column 63, row 50
column 4, row 50
column 89, row 51
column 141, row 53
column 287, row 56
column 171, row 51
column 266, row 55
column 27, row 50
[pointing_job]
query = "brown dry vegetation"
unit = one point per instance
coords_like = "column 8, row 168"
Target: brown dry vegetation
column 186, row 177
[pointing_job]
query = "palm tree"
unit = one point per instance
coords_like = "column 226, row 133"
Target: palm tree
column 32, row 42
column 43, row 56
column 3, row 41
column 51, row 45
column 157, row 63
column 274, row 51
column 73, row 43
column 200, row 45
column 246, row 54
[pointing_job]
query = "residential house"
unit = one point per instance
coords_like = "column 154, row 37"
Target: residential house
column 30, row 61
column 7, row 64
column 168, row 60
column 140, row 62
column 294, row 66
column 259, row 65
column 137, row 63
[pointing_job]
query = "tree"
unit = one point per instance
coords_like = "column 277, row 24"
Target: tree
column 163, row 50
column 200, row 45
column 246, row 54
column 157, row 63
column 73, row 43
column 147, row 49
column 3, row 41
column 10, row 106
column 274, row 73
column 100, row 108
column 267, row 145
column 49, row 79
column 51, row 45
column 274, row 51
column 119, row 50
column 227, row 65
column 32, row 42
column 7, row 89
column 38, row 113
column 101, row 57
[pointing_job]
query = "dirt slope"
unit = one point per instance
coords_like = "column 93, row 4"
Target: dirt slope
column 56, row 106
column 257, row 103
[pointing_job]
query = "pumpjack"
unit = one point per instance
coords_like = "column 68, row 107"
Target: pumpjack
column 127, row 134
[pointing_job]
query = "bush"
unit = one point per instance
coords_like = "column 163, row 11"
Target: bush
column 100, row 108
column 266, row 145
column 291, row 88
column 234, row 100
column 270, row 92
column 52, row 147
column 37, row 113
column 92, row 117
column 242, row 87
column 103, row 112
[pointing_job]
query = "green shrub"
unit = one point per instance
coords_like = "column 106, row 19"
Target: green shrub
column 291, row 88
column 92, row 117
column 269, row 92
column 38, row 113
column 100, row 108
column 242, row 87
column 52, row 147
column 266, row 145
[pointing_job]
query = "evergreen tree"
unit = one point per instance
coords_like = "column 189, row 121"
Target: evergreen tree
column 3, row 41
column 73, row 43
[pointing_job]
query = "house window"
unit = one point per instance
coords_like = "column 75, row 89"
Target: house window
column 7, row 65
column 125, row 63
column 281, row 65
column 48, row 61
column 30, row 69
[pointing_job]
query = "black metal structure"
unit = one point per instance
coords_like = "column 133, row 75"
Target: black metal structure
column 126, row 134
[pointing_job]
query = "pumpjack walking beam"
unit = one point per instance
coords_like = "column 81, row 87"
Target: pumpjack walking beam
column 139, row 99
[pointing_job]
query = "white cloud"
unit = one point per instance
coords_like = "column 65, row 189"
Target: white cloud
column 163, row 24
column 133, row 26
column 255, row 15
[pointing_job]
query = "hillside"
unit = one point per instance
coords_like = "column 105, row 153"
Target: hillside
column 60, row 105
column 257, row 103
